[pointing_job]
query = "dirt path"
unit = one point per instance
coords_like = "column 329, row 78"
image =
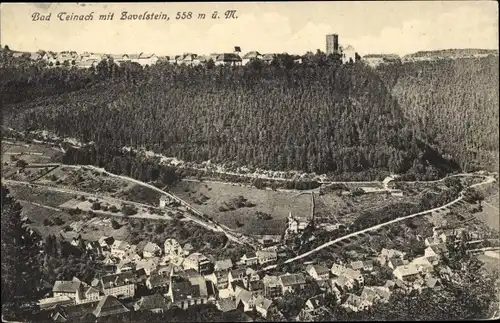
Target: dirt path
column 376, row 227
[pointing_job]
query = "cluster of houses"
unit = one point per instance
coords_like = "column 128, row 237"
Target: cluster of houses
column 172, row 275
column 176, row 276
column 87, row 59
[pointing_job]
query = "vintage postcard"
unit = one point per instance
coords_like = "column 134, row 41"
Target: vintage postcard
column 249, row 161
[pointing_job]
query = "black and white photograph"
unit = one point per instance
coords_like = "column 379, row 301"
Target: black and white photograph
column 305, row 161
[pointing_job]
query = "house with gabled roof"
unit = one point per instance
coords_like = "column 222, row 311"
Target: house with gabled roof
column 230, row 59
column 356, row 265
column 198, row 262
column 245, row 299
column 343, row 282
column 351, row 274
column 155, row 303
column 119, row 248
column 125, row 266
column 290, row 282
column 250, row 259
column 183, row 294
column 395, row 262
column 369, row 295
column 151, row 250
column 149, row 264
column 262, row 305
column 268, row 58
column 266, row 256
column 106, row 243
column 436, row 251
column 173, row 249
column 200, row 59
column 406, row 272
column 387, row 254
column 144, row 58
column 221, row 271
column 248, row 57
column 51, row 302
column 355, row 303
column 158, row 283
column 272, row 286
column 79, row 312
column 256, row 287
column 432, row 241
column 223, row 265
column 226, row 304
column 315, row 302
column 234, row 285
column 318, row 272
column 423, row 264
column 110, row 305
column 90, row 294
column 237, row 274
column 119, row 285
column 72, row 289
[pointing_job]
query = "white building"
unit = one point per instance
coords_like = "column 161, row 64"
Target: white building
column 348, row 54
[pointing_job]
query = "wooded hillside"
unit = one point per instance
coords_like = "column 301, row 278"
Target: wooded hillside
column 453, row 103
column 318, row 117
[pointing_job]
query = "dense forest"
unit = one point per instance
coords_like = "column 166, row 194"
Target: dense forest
column 454, row 105
column 316, row 117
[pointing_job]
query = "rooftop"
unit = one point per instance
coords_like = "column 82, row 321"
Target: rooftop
column 110, row 305
column 61, row 286
column 263, row 302
column 223, row 264
column 152, row 302
column 292, row 279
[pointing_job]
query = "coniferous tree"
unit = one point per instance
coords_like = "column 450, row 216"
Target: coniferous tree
column 20, row 266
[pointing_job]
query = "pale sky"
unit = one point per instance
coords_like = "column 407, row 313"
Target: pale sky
column 370, row 27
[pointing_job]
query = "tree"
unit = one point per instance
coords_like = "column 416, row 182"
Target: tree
column 20, row 268
column 128, row 209
column 210, row 64
column 96, row 206
column 21, row 163
column 115, row 225
column 472, row 195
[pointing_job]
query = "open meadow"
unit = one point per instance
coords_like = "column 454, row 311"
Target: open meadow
column 245, row 209
column 31, row 153
column 39, row 195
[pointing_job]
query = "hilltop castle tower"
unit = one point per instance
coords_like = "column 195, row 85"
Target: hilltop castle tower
column 332, row 44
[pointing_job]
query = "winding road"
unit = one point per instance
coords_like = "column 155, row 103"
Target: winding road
column 243, row 240
column 205, row 223
column 488, row 180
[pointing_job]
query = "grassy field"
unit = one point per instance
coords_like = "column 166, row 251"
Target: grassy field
column 23, row 175
column 89, row 228
column 490, row 206
column 344, row 209
column 139, row 194
column 31, row 153
column 37, row 215
column 105, row 205
column 39, row 195
column 83, row 180
column 213, row 196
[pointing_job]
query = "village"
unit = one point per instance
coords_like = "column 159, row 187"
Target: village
column 235, row 58
column 346, row 54
column 146, row 275
column 149, row 277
